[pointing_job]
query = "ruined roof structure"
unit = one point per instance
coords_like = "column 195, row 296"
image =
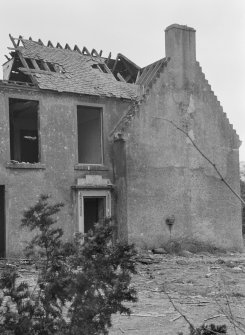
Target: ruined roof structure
column 75, row 71
column 108, row 138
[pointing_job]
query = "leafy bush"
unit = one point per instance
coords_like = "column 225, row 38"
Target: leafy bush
column 80, row 283
column 207, row 330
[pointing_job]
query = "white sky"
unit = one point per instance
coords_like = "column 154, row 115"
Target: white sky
column 136, row 29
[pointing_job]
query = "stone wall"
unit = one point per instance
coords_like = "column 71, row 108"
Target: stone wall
column 58, row 170
column 166, row 175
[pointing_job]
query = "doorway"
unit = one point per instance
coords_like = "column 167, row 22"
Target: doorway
column 94, row 211
column 94, row 206
column 2, row 222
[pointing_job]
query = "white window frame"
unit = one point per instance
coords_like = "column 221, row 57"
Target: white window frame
column 94, row 194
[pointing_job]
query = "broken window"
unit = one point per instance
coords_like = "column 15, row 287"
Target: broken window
column 23, row 117
column 89, row 124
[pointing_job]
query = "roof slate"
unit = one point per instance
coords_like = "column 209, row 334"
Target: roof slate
column 78, row 75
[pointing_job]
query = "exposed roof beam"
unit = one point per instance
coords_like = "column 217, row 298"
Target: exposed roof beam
column 19, row 39
column 34, row 63
column 120, row 77
column 13, row 41
column 108, row 58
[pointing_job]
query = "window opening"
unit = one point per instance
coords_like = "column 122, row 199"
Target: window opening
column 2, row 222
column 24, row 142
column 29, row 63
column 89, row 123
column 51, row 67
column 40, row 64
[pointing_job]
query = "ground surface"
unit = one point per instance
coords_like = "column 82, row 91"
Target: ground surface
column 201, row 286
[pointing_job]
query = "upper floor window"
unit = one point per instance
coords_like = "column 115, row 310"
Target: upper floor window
column 24, row 141
column 89, row 125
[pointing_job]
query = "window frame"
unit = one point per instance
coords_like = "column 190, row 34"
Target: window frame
column 96, row 193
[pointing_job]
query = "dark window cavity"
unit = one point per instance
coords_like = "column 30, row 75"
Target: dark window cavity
column 2, row 222
column 89, row 123
column 24, row 142
column 94, row 211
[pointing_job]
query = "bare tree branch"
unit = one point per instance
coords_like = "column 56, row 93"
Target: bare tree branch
column 204, row 156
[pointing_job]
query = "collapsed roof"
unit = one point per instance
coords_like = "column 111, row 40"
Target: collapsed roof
column 75, row 71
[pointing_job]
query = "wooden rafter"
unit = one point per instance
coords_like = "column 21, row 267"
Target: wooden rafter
column 59, row 46
column 45, row 65
column 100, row 53
column 19, row 39
column 40, row 42
column 34, row 63
column 13, row 41
column 33, row 71
column 23, row 61
column 67, row 47
column 120, row 77
column 108, row 58
column 115, row 64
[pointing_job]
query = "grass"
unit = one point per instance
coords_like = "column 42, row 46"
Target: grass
column 177, row 246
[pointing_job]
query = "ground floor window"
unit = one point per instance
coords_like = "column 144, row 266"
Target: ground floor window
column 94, row 206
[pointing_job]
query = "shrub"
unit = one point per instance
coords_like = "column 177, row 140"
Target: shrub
column 207, row 330
column 80, row 283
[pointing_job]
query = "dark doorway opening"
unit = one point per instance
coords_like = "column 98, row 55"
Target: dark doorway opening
column 2, row 222
column 23, row 117
column 94, row 211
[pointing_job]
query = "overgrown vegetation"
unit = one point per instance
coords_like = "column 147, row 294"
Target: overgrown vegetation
column 177, row 246
column 80, row 283
column 208, row 330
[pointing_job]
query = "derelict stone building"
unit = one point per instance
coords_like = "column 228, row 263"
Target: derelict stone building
column 104, row 136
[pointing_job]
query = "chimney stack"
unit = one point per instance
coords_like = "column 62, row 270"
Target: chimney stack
column 180, row 47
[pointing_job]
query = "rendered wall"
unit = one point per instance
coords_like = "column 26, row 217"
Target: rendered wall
column 166, row 175
column 58, row 169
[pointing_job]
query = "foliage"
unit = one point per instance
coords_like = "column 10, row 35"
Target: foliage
column 80, row 283
column 207, row 330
